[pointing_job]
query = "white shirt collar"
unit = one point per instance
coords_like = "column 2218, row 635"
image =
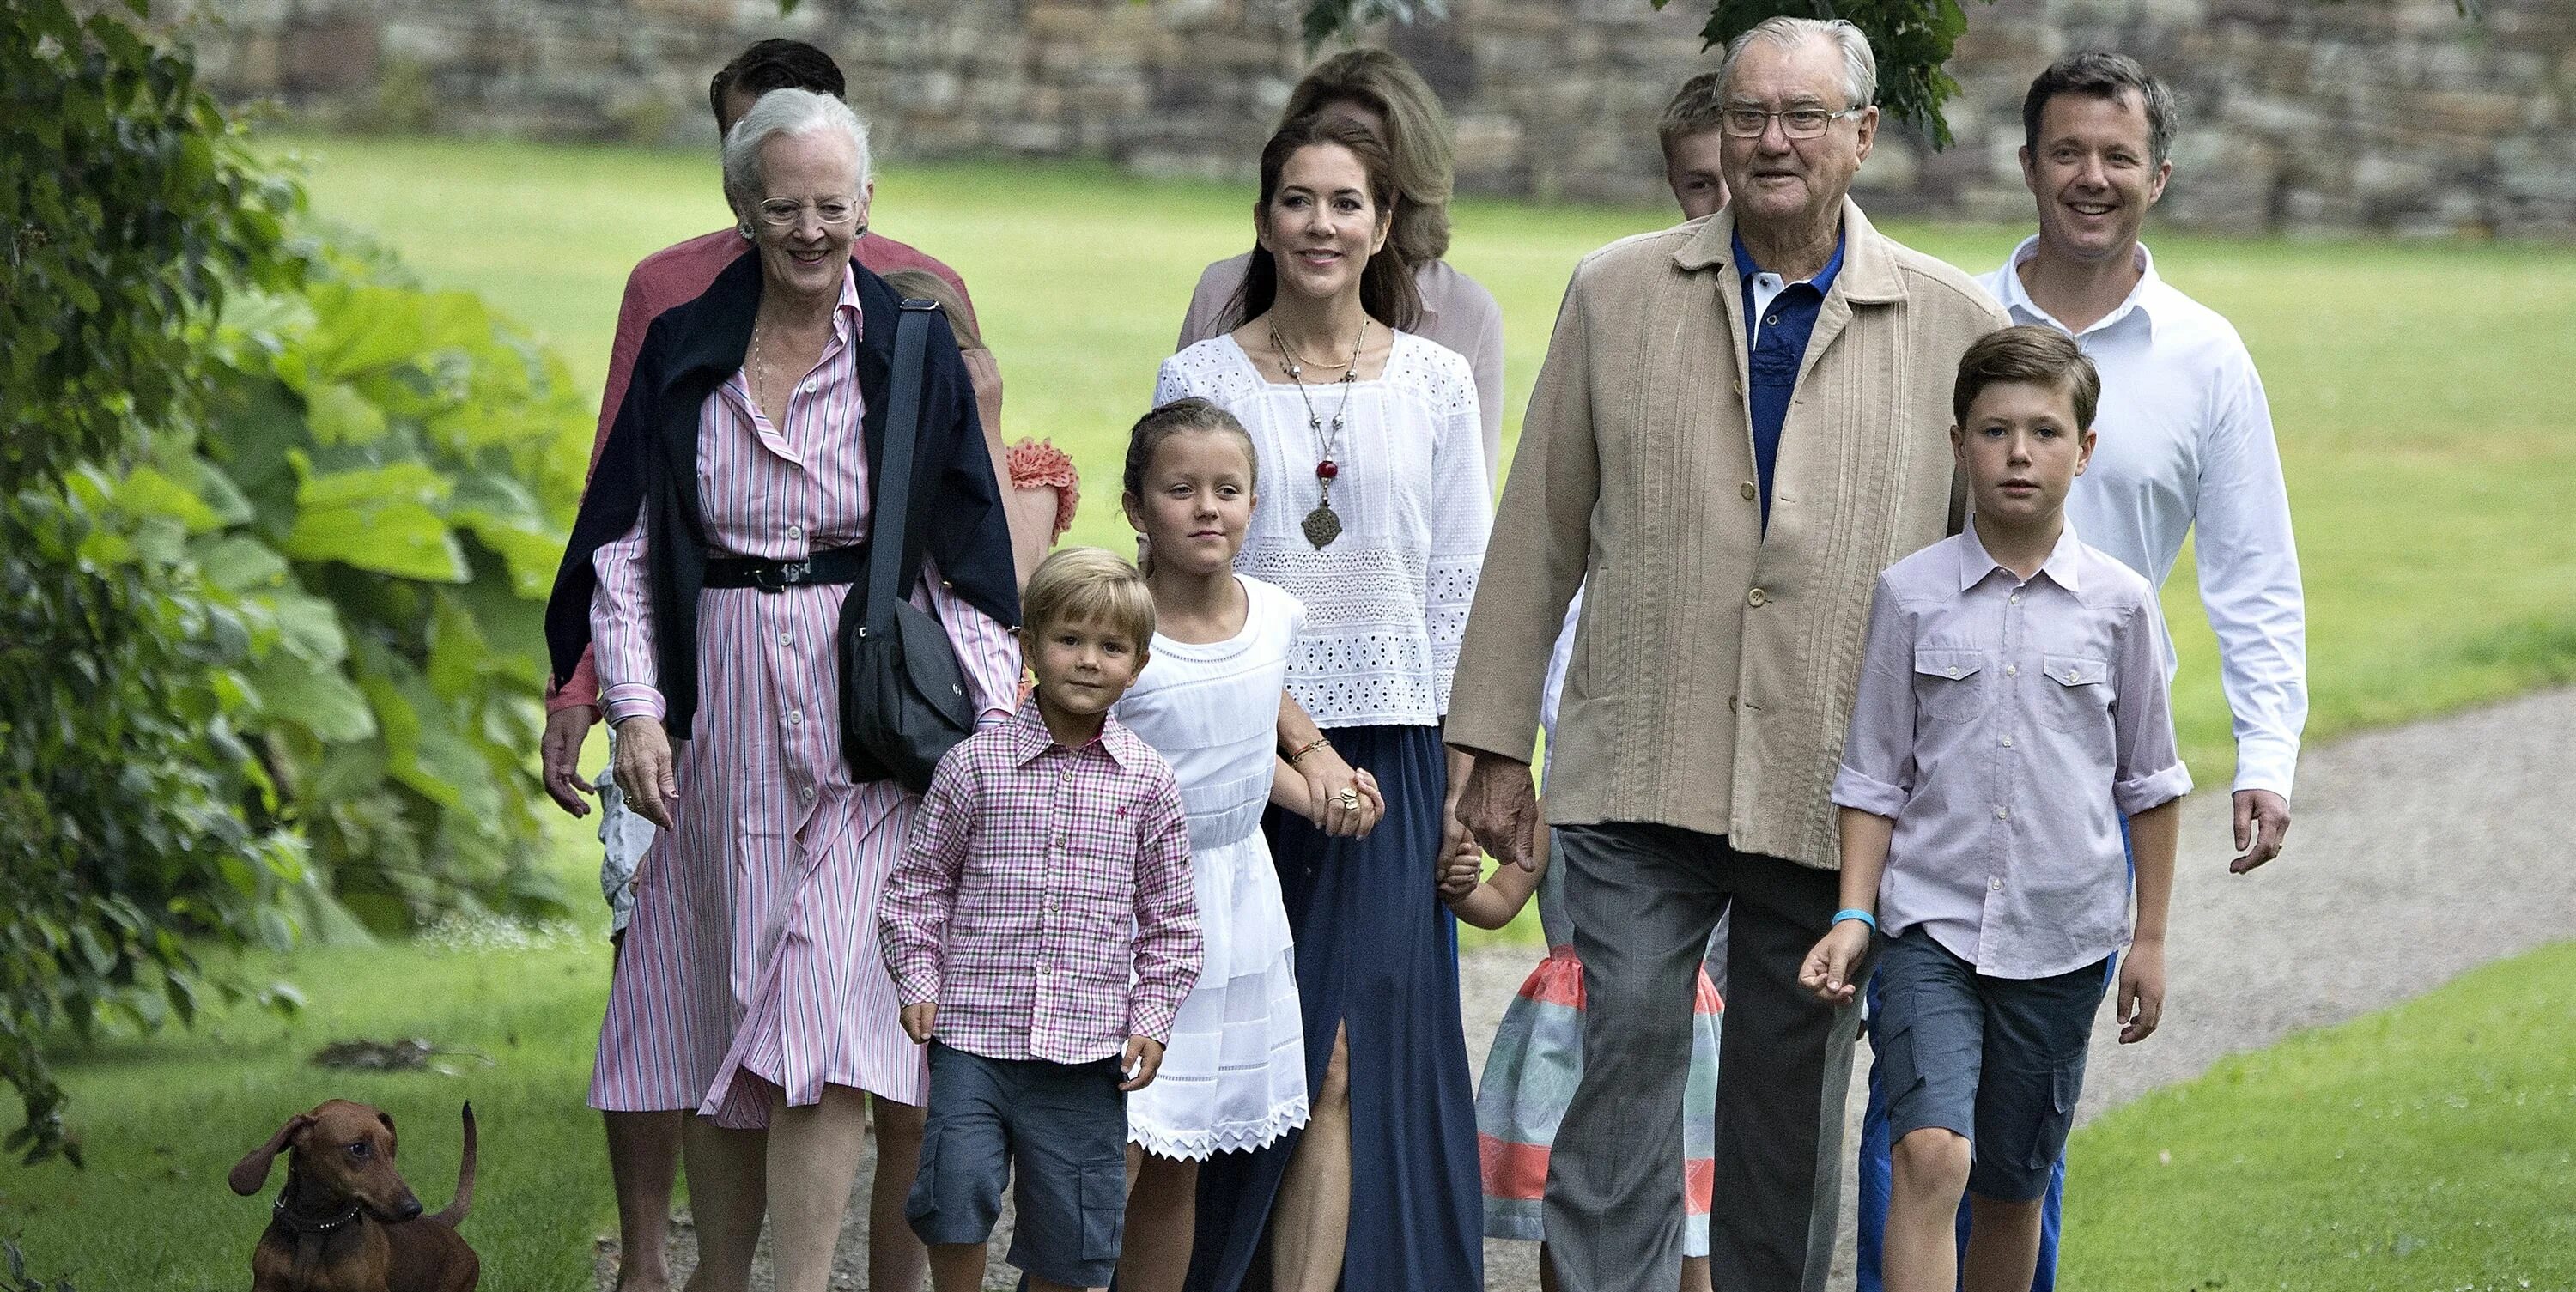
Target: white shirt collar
column 2140, row 301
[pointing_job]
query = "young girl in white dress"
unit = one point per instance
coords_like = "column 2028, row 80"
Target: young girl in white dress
column 1234, row 1073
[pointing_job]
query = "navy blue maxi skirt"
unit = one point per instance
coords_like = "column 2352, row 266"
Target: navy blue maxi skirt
column 1377, row 954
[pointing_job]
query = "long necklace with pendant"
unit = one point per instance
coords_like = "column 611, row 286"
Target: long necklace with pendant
column 1323, row 524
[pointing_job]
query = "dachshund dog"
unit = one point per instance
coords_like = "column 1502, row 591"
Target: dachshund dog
column 346, row 1222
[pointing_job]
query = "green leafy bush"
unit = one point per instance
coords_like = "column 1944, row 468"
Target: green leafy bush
column 275, row 530
column 391, row 472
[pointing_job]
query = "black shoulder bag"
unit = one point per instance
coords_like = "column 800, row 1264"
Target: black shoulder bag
column 903, row 696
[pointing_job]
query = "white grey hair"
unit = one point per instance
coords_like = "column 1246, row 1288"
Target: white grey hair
column 785, row 112
column 1860, row 66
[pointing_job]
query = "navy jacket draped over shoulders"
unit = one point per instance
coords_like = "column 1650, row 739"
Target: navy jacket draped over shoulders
column 651, row 463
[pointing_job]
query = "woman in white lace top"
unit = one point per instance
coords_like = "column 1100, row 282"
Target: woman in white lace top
column 1373, row 512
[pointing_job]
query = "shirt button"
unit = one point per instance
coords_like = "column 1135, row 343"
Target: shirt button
column 2071, row 675
column 795, row 716
column 796, row 531
column 785, row 639
column 2013, row 600
column 1954, row 670
column 2012, row 670
column 2002, row 815
column 2007, row 742
column 809, row 385
column 1748, row 490
column 1773, row 321
column 1994, row 885
column 806, row 793
column 1756, row 597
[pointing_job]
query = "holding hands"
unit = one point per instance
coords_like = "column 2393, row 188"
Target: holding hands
column 1831, row 966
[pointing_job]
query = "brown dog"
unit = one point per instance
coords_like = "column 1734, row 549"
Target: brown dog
column 346, row 1222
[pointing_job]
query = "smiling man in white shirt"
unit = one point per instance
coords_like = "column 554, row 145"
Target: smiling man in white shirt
column 2185, row 445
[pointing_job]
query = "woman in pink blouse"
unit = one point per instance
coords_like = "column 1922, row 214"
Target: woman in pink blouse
column 724, row 526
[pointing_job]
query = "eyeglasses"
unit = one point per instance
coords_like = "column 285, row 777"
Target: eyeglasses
column 1796, row 123
column 779, row 213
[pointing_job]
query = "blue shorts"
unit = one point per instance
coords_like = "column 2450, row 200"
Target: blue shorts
column 1999, row 1061
column 1056, row 1132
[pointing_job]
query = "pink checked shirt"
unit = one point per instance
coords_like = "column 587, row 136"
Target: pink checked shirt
column 1044, row 899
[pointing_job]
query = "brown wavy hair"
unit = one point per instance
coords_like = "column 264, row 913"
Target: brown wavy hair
column 1387, row 291
column 1418, row 139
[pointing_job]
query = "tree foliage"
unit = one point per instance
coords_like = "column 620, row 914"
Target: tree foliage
column 275, row 527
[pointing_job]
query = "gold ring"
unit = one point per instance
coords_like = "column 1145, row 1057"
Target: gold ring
column 1350, row 798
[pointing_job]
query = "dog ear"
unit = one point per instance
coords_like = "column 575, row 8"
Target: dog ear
column 391, row 1141
column 250, row 1174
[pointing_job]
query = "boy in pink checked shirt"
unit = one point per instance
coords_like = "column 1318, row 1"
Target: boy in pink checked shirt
column 1042, row 930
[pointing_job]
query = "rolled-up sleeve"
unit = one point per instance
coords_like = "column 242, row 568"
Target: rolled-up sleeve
column 921, row 893
column 2148, row 770
column 1170, row 946
column 621, row 628
column 1877, row 773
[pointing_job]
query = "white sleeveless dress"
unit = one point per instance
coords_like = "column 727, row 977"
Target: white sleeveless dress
column 1234, row 1074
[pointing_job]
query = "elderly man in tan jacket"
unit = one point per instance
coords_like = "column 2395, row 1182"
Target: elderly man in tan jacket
column 1741, row 421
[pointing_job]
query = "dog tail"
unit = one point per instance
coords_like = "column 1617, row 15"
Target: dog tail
column 464, row 1202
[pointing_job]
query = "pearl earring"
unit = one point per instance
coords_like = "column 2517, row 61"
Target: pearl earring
column 746, row 230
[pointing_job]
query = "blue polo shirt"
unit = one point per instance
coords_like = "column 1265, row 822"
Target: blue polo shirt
column 1775, row 337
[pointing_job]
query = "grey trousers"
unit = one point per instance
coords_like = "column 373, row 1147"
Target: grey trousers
column 1643, row 899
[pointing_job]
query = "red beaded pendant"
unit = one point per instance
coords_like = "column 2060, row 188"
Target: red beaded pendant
column 1327, row 469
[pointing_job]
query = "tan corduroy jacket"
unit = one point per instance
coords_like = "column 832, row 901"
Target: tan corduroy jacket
column 1714, row 666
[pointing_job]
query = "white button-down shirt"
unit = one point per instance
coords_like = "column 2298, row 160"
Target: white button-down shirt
column 2185, row 440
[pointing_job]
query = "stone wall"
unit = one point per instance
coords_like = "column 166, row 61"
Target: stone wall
column 2394, row 115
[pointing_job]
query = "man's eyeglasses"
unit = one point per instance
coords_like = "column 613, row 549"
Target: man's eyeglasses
column 779, row 213
column 1796, row 123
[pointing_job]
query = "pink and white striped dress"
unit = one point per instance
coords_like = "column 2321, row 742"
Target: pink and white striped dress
column 753, row 948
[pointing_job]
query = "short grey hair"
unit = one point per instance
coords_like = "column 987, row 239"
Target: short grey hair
column 1860, row 66
column 785, row 112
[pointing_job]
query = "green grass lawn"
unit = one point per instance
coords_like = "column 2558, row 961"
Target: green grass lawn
column 2428, row 1146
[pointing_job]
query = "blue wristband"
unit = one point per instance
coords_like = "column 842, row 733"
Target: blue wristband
column 1854, row 913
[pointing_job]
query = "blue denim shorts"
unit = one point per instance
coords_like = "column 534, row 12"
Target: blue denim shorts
column 1056, row 1132
column 2000, row 1061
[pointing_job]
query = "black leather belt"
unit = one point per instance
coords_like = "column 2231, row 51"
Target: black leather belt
column 836, row 565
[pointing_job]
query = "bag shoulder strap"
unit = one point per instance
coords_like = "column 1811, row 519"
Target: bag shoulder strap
column 890, row 577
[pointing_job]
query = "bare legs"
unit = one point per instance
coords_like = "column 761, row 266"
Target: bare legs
column 643, row 1163
column 896, row 1259
column 728, row 1190
column 1162, row 1219
column 813, row 1156
column 804, row 1164
column 1311, row 1220
column 1922, row 1254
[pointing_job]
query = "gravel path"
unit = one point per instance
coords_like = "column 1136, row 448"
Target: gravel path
column 2416, row 855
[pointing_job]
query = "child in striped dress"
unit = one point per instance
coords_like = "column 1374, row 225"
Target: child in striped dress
column 1537, row 1056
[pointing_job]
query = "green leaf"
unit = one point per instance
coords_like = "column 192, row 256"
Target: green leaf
column 338, row 414
column 377, row 518
column 239, row 563
column 145, row 492
column 314, row 696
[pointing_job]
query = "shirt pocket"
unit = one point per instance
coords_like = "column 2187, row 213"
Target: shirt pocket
column 2078, row 696
column 1951, row 683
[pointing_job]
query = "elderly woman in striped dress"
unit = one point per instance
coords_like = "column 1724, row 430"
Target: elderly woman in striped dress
column 725, row 523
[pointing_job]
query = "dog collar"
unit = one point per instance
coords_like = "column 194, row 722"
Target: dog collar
column 299, row 1224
